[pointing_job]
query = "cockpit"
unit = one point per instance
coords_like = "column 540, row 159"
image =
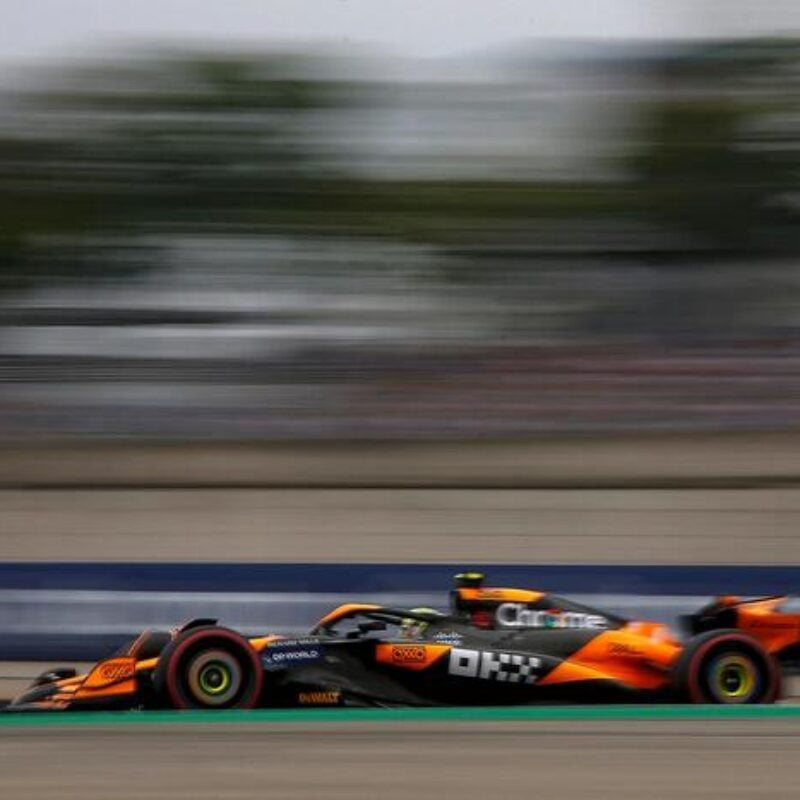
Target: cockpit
column 353, row 621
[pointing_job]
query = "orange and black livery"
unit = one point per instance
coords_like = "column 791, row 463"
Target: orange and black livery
column 492, row 646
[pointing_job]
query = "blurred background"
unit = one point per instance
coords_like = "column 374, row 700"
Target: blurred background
column 307, row 302
column 462, row 234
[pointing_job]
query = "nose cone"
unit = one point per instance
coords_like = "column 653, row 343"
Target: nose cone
column 39, row 696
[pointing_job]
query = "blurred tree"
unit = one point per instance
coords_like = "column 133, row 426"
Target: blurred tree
column 167, row 143
column 118, row 150
column 718, row 162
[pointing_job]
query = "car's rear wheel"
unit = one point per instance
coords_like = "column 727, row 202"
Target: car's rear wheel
column 726, row 667
column 209, row 668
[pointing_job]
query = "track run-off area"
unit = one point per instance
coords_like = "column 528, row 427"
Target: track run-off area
column 565, row 752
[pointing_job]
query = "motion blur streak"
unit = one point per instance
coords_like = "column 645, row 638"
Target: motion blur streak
column 691, row 760
column 287, row 244
column 332, row 270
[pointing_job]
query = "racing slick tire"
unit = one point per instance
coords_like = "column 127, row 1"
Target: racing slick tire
column 210, row 668
column 727, row 667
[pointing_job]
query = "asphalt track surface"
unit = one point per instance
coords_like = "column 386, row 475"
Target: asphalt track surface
column 479, row 526
column 621, row 753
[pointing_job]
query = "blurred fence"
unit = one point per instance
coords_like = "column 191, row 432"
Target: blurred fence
column 484, row 393
column 83, row 611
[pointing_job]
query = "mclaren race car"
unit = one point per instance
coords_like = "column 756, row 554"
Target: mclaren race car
column 495, row 646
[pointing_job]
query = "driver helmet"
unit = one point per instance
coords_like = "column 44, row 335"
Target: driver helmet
column 411, row 628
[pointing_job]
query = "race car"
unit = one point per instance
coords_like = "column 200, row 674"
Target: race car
column 495, row 646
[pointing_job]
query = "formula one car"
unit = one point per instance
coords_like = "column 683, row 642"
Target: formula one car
column 495, row 646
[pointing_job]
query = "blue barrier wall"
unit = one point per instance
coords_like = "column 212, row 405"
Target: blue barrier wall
column 337, row 578
column 79, row 611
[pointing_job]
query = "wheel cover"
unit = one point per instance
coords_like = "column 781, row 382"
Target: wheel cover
column 214, row 677
column 733, row 678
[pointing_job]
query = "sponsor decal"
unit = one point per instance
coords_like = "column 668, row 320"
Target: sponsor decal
column 303, row 641
column 774, row 624
column 113, row 671
column 491, row 594
column 328, row 698
column 280, row 655
column 414, row 657
column 408, row 653
column 448, row 637
column 116, row 670
column 624, row 649
column 502, row 667
column 518, row 615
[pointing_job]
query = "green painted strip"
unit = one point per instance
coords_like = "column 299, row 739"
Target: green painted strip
column 460, row 714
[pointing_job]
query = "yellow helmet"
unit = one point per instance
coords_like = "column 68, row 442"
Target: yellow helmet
column 414, row 628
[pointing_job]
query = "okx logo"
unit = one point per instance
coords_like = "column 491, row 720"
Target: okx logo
column 503, row 667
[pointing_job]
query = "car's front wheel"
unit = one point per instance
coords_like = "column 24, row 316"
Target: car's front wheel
column 210, row 668
column 726, row 667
